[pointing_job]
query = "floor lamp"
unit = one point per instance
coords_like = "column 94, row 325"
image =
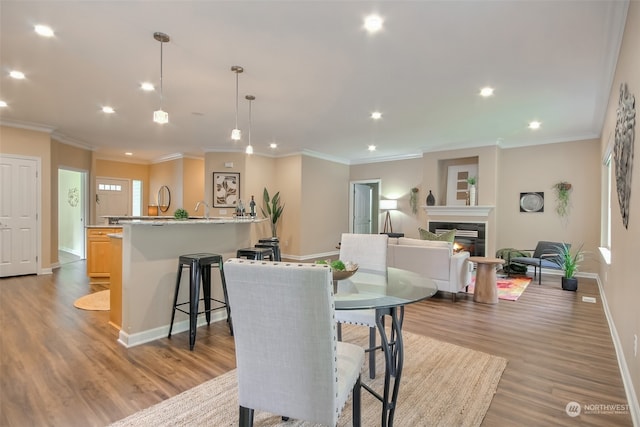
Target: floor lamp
column 388, row 205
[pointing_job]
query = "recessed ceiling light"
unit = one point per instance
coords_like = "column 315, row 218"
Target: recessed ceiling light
column 44, row 31
column 128, row 154
column 3, row 104
column 486, row 91
column 108, row 110
column 273, row 145
column 534, row 125
column 372, row 148
column 373, row 23
column 376, row 115
column 146, row 86
column 17, row 74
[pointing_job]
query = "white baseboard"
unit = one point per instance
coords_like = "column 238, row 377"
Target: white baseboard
column 632, row 398
column 132, row 340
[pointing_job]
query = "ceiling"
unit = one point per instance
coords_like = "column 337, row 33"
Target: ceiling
column 317, row 75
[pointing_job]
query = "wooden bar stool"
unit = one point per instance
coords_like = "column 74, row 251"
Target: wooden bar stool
column 256, row 253
column 200, row 272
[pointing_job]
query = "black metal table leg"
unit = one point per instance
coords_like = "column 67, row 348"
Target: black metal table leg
column 194, row 299
column 394, row 359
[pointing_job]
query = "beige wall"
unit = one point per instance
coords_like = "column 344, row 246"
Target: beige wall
column 193, row 184
column 620, row 279
column 397, row 180
column 67, row 157
column 289, row 183
column 168, row 173
column 538, row 168
column 324, row 208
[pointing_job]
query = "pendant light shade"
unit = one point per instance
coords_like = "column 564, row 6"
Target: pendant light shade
column 249, row 149
column 160, row 116
column 236, row 134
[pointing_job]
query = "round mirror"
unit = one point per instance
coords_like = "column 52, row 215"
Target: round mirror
column 164, row 198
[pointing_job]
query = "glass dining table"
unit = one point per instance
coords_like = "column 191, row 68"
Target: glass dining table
column 386, row 293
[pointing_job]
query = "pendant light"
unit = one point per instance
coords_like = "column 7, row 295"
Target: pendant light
column 249, row 149
column 236, row 134
column 161, row 116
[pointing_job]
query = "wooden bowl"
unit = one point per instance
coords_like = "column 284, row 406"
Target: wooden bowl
column 343, row 274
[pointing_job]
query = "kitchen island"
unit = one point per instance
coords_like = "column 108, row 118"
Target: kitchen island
column 150, row 251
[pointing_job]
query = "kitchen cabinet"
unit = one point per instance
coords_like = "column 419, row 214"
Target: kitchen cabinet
column 115, row 298
column 99, row 253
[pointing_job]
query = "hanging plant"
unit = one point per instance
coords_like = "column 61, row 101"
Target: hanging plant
column 413, row 200
column 563, row 192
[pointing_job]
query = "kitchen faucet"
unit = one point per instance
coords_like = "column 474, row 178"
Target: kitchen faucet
column 206, row 208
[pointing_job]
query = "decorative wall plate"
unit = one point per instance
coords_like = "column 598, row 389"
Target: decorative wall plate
column 532, row 202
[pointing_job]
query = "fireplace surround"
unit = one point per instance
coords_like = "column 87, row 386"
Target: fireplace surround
column 470, row 236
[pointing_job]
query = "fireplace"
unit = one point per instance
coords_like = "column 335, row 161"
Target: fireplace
column 470, row 236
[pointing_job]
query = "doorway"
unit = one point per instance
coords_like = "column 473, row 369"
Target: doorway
column 364, row 198
column 72, row 213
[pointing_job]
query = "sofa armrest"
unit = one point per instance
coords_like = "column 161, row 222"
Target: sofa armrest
column 460, row 270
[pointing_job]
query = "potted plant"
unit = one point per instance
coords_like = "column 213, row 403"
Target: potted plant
column 413, row 200
column 569, row 262
column 563, row 191
column 272, row 210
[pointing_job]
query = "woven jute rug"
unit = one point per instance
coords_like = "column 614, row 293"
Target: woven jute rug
column 99, row 301
column 442, row 385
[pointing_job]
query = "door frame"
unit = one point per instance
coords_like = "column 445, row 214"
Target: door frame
column 84, row 197
column 38, row 207
column 375, row 202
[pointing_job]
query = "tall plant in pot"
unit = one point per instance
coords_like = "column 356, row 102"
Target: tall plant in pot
column 569, row 261
column 272, row 209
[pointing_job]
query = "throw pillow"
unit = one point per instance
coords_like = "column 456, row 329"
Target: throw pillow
column 447, row 236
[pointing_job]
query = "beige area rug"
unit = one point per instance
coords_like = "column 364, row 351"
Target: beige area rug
column 442, row 385
column 98, row 301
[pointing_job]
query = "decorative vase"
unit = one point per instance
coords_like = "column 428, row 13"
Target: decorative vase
column 472, row 195
column 431, row 200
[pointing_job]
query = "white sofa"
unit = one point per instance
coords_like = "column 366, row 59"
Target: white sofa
column 450, row 271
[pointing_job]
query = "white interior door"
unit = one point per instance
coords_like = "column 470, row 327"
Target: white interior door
column 18, row 216
column 362, row 197
column 112, row 197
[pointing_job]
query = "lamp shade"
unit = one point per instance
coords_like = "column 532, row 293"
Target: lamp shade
column 388, row 204
column 152, row 210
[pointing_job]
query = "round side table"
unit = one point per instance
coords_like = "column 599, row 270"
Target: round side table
column 486, row 289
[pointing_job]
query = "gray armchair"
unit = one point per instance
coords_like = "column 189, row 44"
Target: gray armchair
column 289, row 360
column 545, row 255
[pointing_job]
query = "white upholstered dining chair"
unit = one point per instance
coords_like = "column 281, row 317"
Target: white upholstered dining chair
column 289, row 361
column 369, row 251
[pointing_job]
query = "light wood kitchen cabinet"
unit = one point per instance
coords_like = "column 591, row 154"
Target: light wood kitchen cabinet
column 99, row 253
column 115, row 311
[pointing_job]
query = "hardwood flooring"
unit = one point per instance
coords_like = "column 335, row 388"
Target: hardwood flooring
column 61, row 366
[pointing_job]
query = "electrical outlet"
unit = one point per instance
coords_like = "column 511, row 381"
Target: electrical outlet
column 635, row 345
column 223, row 211
column 588, row 299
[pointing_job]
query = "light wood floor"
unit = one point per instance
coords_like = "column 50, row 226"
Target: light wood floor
column 62, row 366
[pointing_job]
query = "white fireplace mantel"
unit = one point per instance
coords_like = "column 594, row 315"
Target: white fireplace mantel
column 478, row 211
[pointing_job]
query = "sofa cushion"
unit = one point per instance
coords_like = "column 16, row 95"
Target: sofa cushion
column 426, row 243
column 447, row 236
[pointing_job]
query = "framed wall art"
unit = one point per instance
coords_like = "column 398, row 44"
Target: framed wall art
column 226, row 189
